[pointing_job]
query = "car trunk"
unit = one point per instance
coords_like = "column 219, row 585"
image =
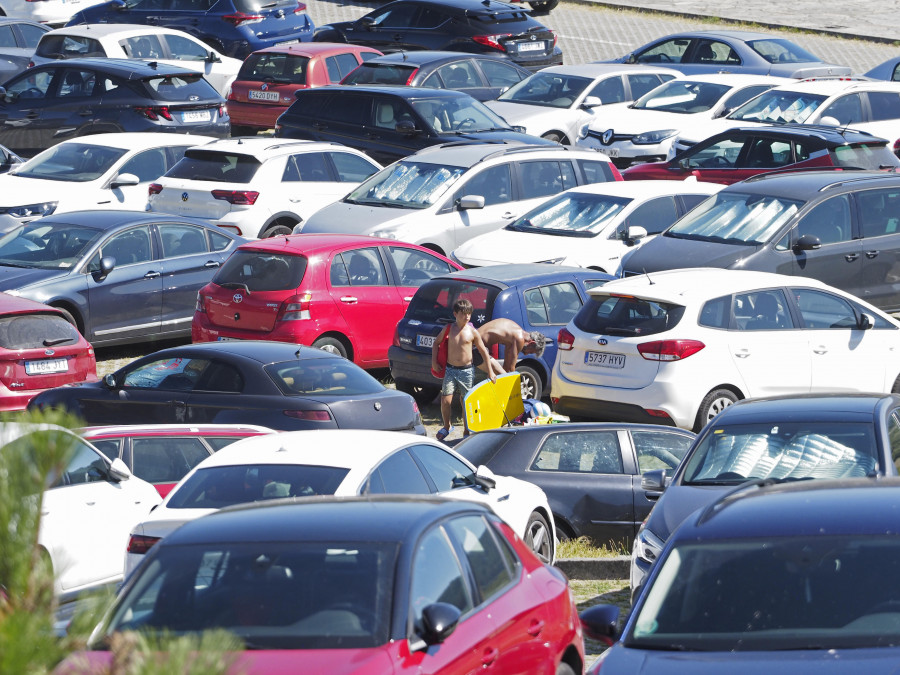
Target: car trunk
column 371, row 411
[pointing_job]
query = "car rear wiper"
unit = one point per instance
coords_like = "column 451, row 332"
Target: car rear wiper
column 57, row 341
column 236, row 284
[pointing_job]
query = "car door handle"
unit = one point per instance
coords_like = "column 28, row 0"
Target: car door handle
column 349, row 299
column 742, row 353
column 175, row 403
column 508, row 215
column 820, row 349
column 535, row 627
column 850, row 257
column 407, row 298
column 872, row 254
column 652, row 495
column 212, row 263
column 489, row 656
column 85, row 113
column 152, row 275
column 31, row 114
column 90, row 503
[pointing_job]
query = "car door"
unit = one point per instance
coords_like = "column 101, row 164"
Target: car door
column 310, row 182
column 878, row 212
column 23, row 109
column 148, row 166
column 653, row 450
column 499, row 76
column 75, row 105
column 384, row 143
column 189, row 53
column 547, row 309
column 460, row 75
column 495, row 185
column 386, row 29
column 412, row 268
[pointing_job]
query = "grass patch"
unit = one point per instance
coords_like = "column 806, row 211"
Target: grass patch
column 583, row 547
column 592, row 592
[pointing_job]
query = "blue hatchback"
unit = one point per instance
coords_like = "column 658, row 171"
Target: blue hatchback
column 537, row 296
column 233, row 27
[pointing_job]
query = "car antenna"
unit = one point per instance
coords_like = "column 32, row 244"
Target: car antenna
column 153, row 64
column 648, row 276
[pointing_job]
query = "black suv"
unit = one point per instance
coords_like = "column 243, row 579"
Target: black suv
column 477, row 26
column 389, row 123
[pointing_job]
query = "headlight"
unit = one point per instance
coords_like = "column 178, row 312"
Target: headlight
column 583, row 131
column 30, row 210
column 552, row 261
column 653, row 137
column 385, row 234
column 647, row 546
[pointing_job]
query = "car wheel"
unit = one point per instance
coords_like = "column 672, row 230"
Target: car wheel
column 422, row 394
column 331, row 345
column 532, row 387
column 896, row 388
column 715, row 402
column 543, row 5
column 556, row 137
column 564, row 669
column 538, row 537
column 276, row 230
column 242, row 130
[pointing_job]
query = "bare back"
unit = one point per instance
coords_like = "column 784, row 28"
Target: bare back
column 507, row 333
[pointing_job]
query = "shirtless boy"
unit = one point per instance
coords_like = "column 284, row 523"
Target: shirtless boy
column 514, row 340
column 460, row 374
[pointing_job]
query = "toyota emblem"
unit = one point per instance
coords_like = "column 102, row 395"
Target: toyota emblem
column 377, row 406
column 238, row 298
column 602, row 341
column 184, row 196
column 607, row 137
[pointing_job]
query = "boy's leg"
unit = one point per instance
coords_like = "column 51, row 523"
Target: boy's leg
column 446, row 404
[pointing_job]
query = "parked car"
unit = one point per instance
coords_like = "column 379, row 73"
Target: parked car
column 162, row 454
column 474, row 26
column 389, row 123
column 98, row 172
column 886, row 70
column 18, row 40
column 541, row 6
column 590, row 472
column 644, row 131
column 776, row 439
column 555, row 102
column 46, row 12
column 443, row 196
column 269, row 78
column 231, row 27
column 774, row 573
column 590, row 226
column 677, row 347
column 537, row 297
column 273, row 384
column 840, row 227
column 344, row 463
column 259, row 187
column 151, row 43
column 481, row 76
column 77, row 97
column 39, row 349
column 119, row 276
column 742, row 152
column 733, row 51
column 341, row 293
column 389, row 584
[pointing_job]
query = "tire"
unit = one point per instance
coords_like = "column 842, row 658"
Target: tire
column 532, row 387
column 331, row 345
column 556, row 137
column 277, row 229
column 543, row 5
column 538, row 537
column 714, row 403
column 423, row 395
column 896, row 388
column 564, row 669
column 242, row 130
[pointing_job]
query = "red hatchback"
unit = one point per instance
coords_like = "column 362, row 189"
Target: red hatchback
column 39, row 349
column 341, row 293
column 265, row 85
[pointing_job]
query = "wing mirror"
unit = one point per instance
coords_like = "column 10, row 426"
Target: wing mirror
column 470, row 202
column 632, row 233
column 406, row 127
column 366, row 22
column 109, row 381
column 654, row 481
column 631, row 58
column 118, row 470
column 107, row 265
column 807, row 242
column 119, row 4
column 439, row 620
column 212, row 57
column 866, row 321
column 600, row 623
column 592, row 102
column 485, row 478
column 124, row 180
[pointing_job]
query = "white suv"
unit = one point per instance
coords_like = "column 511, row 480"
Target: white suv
column 259, row 187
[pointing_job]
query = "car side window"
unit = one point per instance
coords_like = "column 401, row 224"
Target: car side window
column 180, row 240
column 822, row 310
column 339, row 66
column 765, row 153
column 86, row 466
column 176, row 373
column 446, row 471
column 885, row 105
column 668, row 51
column 499, row 74
column 762, row 310
column 879, row 212
column 580, row 452
column 744, row 94
column 390, row 112
column 128, row 248
column 596, row 171
column 30, row 85
column 609, row 90
column 713, row 51
column 555, row 304
column 400, row 16
column 546, row 177
column 220, row 377
column 219, row 241
column 429, row 17
column 894, row 438
column 641, row 84
column 143, row 47
column 895, row 76
column 185, row 49
column 398, row 474
column 436, row 576
column 846, row 110
column 416, row 267
column 147, row 165
column 494, row 184
column 654, row 216
column 7, row 38
column 166, row 460
column 111, row 447
column 829, row 221
column 716, row 313
column 350, row 168
column 486, row 559
column 355, row 110
column 657, row 450
column 309, row 167
column 31, row 34
column 362, row 267
column 459, row 75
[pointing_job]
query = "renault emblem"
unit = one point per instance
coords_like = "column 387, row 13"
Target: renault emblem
column 602, row 341
column 238, row 298
column 607, row 137
column 184, row 196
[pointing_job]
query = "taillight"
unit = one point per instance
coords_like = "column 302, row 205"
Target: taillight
column 238, row 197
column 309, row 415
column 201, row 304
column 669, row 350
column 396, row 341
column 301, row 7
column 897, row 147
column 154, row 189
column 492, row 41
column 222, row 110
column 140, row 544
column 565, row 341
column 30, row 63
column 154, row 112
column 295, row 308
column 238, row 18
column 411, row 76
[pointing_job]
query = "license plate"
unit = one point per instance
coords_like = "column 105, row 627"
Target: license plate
column 255, row 95
column 605, row 359
column 47, row 366
column 424, row 340
column 195, row 116
column 286, row 42
column 610, row 152
column 227, row 339
column 537, row 46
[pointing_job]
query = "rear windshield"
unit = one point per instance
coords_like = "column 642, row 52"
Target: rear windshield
column 774, row 50
column 275, row 68
column 253, row 271
column 613, row 315
column 480, row 448
column 322, row 377
column 433, row 302
column 864, row 156
column 380, row 73
column 183, row 87
column 256, row 6
column 68, row 47
column 215, row 166
column 34, row 331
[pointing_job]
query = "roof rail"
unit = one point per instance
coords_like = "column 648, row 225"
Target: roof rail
column 872, row 173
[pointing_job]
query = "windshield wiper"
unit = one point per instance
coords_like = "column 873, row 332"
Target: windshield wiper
column 236, row 284
column 4, row 263
column 57, row 341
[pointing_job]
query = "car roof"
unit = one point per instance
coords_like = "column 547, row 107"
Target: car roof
column 268, row 145
column 601, row 69
column 823, row 406
column 312, row 244
column 263, row 351
column 648, row 188
column 744, row 35
column 804, row 185
column 823, row 132
column 430, row 57
column 172, row 430
column 732, row 79
column 311, row 49
column 112, row 218
column 578, row 426
column 829, row 86
column 129, row 69
column 467, row 154
column 101, row 30
column 511, row 274
column 406, row 93
column 13, row 304
column 133, row 140
column 470, row 7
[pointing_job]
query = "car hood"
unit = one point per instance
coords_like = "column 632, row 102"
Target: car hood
column 528, row 116
column 356, row 218
column 19, row 191
column 12, row 278
column 666, row 253
column 678, row 502
column 625, row 120
column 508, row 246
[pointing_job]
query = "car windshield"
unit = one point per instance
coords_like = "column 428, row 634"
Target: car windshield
column 218, row 167
column 735, row 218
column 44, row 246
column 682, row 97
column 410, row 185
column 779, row 107
column 71, row 162
column 216, row 487
column 732, row 454
column 551, row 90
column 572, row 214
column 774, row 50
column 322, row 377
column 776, row 593
column 272, row 595
column 628, row 315
column 458, row 115
column 275, row 68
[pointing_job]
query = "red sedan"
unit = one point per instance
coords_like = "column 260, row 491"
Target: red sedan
column 341, row 293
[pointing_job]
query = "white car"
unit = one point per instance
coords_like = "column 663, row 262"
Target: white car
column 861, row 104
column 259, row 187
column 87, row 512
column 556, row 102
column 644, row 130
column 343, row 462
column 53, row 12
column 103, row 171
column 677, row 347
column 591, row 226
column 148, row 43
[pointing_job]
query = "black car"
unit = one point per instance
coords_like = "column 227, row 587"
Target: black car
column 481, row 76
column 591, row 473
column 57, row 101
column 272, row 384
column 841, row 227
column 388, row 123
column 474, row 26
column 18, row 40
column 778, row 439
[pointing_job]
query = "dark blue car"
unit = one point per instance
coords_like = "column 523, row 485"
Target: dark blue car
column 538, row 297
column 233, row 27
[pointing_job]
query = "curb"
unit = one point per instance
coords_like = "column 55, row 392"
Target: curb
column 595, row 568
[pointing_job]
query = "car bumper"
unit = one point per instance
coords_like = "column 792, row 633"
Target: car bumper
column 625, row 153
column 254, row 114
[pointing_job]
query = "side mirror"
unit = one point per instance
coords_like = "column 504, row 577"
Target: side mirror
column 107, row 265
column 212, row 57
column 631, row 58
column 654, row 481
column 118, row 470
column 366, row 22
column 592, row 102
column 109, row 381
column 684, row 164
column 600, row 622
column 124, row 180
column 406, row 127
column 866, row 321
column 119, row 4
column 830, row 121
column 635, row 232
column 470, row 202
column 807, row 242
column 724, row 112
column 485, row 478
column 439, row 620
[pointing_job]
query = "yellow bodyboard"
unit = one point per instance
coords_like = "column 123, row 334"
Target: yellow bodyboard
column 489, row 405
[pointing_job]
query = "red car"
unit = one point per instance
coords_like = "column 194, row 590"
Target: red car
column 39, row 349
column 162, row 454
column 265, row 85
column 341, row 293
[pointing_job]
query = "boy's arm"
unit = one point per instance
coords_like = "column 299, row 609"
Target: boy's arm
column 511, row 354
column 485, row 355
column 435, row 346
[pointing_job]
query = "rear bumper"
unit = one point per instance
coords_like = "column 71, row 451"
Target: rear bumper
column 606, row 411
column 254, row 114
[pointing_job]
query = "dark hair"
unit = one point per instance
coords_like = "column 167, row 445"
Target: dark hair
column 463, row 305
column 540, row 342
